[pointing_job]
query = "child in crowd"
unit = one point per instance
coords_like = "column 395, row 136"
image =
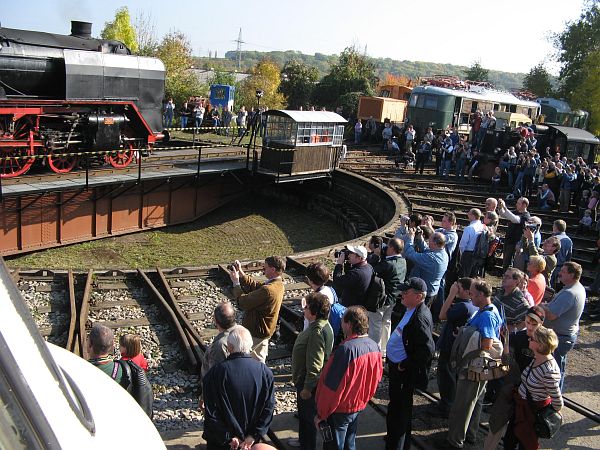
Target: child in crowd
column 130, row 346
column 585, row 224
column 496, row 178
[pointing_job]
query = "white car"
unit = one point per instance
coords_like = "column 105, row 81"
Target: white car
column 52, row 399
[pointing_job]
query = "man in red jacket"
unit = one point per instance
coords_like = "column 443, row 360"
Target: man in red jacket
column 348, row 381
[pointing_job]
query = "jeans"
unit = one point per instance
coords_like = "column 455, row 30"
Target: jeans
column 307, row 433
column 343, row 428
column 169, row 119
column 184, row 121
column 518, row 187
column 565, row 344
column 357, row 136
column 446, row 166
column 460, row 168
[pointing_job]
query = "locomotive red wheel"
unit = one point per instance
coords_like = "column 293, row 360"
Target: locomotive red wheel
column 60, row 162
column 123, row 158
column 14, row 161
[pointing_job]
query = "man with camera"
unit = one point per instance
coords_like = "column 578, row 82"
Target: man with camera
column 352, row 275
column 347, row 382
column 260, row 301
column 391, row 267
column 514, row 231
column 567, row 183
column 430, row 263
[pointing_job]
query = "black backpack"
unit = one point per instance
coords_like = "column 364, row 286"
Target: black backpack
column 375, row 295
column 134, row 380
column 482, row 245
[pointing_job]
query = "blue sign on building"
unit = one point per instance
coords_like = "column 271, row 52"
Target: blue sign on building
column 222, row 95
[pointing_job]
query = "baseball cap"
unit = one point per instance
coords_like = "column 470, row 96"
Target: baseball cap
column 537, row 313
column 414, row 283
column 358, row 249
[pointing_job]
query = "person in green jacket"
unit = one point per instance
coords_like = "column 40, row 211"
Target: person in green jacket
column 311, row 350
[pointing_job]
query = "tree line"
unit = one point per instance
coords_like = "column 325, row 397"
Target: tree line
column 292, row 79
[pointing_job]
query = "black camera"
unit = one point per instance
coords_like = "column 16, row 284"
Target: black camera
column 419, row 230
column 344, row 251
column 532, row 226
column 326, row 431
column 231, row 267
column 259, row 93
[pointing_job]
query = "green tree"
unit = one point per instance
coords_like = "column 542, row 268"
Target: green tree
column 222, row 76
column 354, row 72
column 297, row 83
column 265, row 77
column 575, row 43
column 121, row 29
column 176, row 53
column 538, row 81
column 587, row 93
column 476, row 72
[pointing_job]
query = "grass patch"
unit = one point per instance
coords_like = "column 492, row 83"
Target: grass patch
column 251, row 228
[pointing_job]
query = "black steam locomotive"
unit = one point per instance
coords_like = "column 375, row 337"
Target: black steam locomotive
column 61, row 95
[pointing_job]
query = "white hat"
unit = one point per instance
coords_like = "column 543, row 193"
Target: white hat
column 359, row 250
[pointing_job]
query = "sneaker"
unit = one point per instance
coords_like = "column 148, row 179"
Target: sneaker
column 293, row 442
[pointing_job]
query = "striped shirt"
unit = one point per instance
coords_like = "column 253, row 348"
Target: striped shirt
column 542, row 382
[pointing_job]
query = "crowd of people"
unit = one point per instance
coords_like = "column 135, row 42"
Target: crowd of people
column 197, row 112
column 520, row 332
column 506, row 345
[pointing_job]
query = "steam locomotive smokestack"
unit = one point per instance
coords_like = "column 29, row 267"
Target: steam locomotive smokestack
column 81, row 29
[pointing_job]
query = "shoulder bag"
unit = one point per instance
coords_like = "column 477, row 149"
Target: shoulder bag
column 547, row 420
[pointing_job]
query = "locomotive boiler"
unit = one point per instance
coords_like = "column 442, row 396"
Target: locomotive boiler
column 63, row 96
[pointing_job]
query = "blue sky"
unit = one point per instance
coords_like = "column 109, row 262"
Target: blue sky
column 511, row 35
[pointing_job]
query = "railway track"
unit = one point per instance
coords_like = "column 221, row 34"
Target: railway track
column 426, row 195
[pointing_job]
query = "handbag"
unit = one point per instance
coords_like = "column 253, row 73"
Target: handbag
column 547, row 420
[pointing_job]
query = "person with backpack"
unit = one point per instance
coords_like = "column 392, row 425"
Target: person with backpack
column 100, row 347
column 391, row 267
column 463, row 423
column 129, row 375
column 352, row 275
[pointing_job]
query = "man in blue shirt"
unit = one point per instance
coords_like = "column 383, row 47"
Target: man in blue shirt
column 468, row 241
column 466, row 409
column 431, row 263
column 409, row 353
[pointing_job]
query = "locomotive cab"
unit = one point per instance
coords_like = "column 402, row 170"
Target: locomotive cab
column 70, row 94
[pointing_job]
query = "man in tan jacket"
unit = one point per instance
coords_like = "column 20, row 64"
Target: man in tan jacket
column 260, row 301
